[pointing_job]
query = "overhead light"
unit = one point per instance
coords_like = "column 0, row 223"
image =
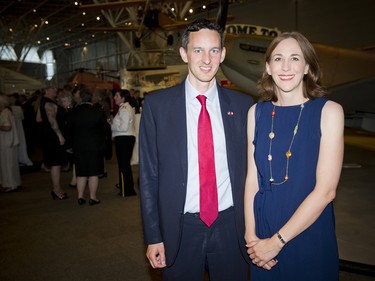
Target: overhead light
column 97, row 18
column 34, row 10
column 204, row 7
column 76, row 3
column 47, row 38
column 46, row 22
column 84, row 13
column 191, row 11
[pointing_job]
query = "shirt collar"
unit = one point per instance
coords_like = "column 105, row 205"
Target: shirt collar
column 192, row 93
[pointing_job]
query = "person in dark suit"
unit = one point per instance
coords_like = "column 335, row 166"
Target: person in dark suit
column 87, row 127
column 179, row 238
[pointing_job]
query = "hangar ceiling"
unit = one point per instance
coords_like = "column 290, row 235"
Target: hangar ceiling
column 52, row 24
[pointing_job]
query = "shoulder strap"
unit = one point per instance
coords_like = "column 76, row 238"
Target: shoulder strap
column 258, row 110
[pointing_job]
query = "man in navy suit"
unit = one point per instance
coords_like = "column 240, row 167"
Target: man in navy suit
column 178, row 240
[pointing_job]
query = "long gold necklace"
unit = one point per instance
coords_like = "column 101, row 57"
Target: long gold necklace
column 288, row 153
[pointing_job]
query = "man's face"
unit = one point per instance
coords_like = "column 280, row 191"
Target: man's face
column 203, row 56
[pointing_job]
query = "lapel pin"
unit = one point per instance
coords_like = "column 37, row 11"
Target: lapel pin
column 230, row 113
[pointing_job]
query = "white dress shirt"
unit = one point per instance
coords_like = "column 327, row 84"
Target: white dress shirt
column 193, row 108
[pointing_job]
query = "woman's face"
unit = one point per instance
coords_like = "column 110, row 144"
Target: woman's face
column 287, row 66
column 118, row 99
column 66, row 102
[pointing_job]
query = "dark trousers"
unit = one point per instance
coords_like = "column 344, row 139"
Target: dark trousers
column 124, row 150
column 213, row 249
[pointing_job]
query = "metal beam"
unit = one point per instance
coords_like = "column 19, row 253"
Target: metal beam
column 120, row 4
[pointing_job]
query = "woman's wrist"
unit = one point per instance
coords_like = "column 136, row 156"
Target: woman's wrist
column 280, row 239
column 250, row 237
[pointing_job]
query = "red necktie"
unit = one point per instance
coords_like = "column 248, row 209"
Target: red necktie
column 207, row 174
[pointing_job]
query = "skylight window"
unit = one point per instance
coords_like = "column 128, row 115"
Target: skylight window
column 7, row 53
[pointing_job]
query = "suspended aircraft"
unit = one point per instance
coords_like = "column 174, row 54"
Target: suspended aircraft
column 149, row 28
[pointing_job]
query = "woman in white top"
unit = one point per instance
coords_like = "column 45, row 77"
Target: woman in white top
column 123, row 132
column 23, row 157
column 10, row 178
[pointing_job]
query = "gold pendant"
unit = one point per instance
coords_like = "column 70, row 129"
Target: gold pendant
column 288, row 154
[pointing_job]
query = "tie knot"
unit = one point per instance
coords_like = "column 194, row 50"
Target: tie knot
column 202, row 99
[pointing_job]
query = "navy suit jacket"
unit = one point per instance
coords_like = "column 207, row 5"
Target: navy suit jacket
column 163, row 162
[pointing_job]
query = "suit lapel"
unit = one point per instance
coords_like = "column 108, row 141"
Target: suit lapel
column 227, row 116
column 178, row 107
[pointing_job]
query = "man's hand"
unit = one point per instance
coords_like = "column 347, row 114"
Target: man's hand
column 156, row 255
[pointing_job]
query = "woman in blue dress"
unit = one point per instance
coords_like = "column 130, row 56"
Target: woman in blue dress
column 295, row 152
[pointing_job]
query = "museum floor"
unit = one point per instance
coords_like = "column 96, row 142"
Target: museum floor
column 43, row 239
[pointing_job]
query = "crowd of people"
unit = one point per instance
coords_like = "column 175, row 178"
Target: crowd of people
column 225, row 184
column 74, row 129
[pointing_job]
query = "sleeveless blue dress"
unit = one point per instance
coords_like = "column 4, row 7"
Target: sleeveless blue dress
column 313, row 254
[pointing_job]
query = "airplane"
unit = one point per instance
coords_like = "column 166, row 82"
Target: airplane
column 149, row 28
column 348, row 74
column 94, row 81
column 147, row 17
